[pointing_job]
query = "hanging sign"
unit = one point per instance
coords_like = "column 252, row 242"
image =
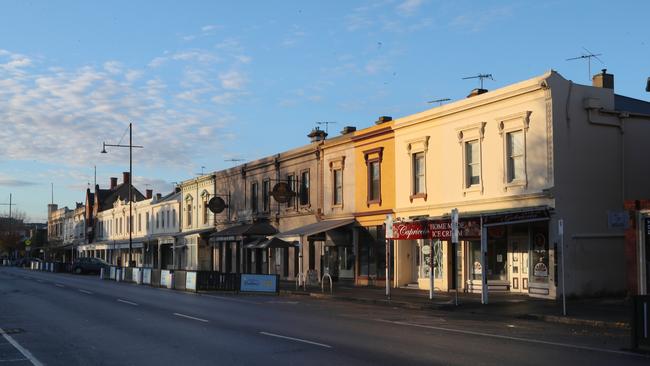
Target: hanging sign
column 411, row 230
column 469, row 228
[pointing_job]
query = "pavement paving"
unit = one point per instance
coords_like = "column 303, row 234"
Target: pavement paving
column 81, row 320
column 599, row 312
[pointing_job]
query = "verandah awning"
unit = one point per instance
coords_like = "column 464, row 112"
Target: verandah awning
column 312, row 229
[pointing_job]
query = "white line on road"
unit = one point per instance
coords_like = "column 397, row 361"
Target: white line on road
column 127, row 302
column 85, row 292
column 59, row 285
column 527, row 340
column 41, row 281
column 20, row 348
column 296, row 339
column 191, row 317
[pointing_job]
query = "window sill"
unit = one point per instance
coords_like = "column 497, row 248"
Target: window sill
column 418, row 195
column 515, row 184
column 476, row 188
column 373, row 202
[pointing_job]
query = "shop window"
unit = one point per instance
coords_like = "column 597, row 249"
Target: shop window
column 539, row 252
column 497, row 255
column 424, row 258
column 372, row 252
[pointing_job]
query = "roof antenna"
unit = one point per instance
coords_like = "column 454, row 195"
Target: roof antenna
column 202, row 168
column 481, row 77
column 587, row 56
column 234, row 160
column 439, row 101
column 327, row 124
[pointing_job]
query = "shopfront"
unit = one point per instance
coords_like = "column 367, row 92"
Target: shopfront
column 516, row 261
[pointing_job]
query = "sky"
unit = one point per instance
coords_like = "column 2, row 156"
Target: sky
column 204, row 82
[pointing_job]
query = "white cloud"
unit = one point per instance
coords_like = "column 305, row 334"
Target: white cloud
column 232, row 80
column 409, row 7
column 479, row 19
column 61, row 115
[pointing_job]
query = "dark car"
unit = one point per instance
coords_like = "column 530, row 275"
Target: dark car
column 26, row 262
column 88, row 265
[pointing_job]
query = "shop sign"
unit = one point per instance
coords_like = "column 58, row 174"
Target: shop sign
column 411, row 230
column 467, row 229
column 258, row 283
column 540, row 270
column 515, row 217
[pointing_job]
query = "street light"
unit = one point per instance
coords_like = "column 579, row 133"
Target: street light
column 130, row 222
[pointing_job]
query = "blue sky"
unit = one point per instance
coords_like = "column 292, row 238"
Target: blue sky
column 206, row 81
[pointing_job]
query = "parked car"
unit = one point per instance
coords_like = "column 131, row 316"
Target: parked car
column 88, row 265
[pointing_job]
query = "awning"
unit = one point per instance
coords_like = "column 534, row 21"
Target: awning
column 201, row 232
column 312, row 229
column 254, row 243
column 238, row 232
column 275, row 243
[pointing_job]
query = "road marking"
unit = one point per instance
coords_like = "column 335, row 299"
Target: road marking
column 85, row 292
column 191, row 317
column 296, row 339
column 231, row 299
column 59, row 285
column 28, row 355
column 41, row 281
column 527, row 340
column 127, row 302
column 15, row 360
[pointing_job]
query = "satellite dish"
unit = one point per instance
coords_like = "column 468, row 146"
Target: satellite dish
column 216, row 204
column 282, row 192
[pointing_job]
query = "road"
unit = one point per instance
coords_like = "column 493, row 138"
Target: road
column 62, row 319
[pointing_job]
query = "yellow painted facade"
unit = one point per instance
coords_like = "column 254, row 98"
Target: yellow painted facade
column 374, row 148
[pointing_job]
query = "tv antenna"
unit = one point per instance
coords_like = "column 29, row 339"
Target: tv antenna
column 234, row 160
column 202, row 168
column 10, row 204
column 439, row 101
column 481, row 77
column 589, row 55
column 327, row 124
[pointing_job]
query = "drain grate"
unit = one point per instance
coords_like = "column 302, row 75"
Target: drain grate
column 12, row 331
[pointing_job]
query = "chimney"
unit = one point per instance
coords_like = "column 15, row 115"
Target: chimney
column 348, row 129
column 603, row 80
column 177, row 189
column 647, row 86
column 477, row 91
column 113, row 182
column 149, row 193
column 383, row 119
column 126, row 177
column 317, row 135
column 158, row 196
column 51, row 207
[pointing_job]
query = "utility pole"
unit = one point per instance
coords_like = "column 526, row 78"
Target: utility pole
column 9, row 204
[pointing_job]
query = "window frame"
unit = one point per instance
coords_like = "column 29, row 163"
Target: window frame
column 266, row 195
column 254, row 197
column 371, row 157
column 304, row 188
column 514, row 123
column 467, row 134
column 337, row 187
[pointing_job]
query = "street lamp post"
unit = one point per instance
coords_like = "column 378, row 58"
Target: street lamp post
column 130, row 222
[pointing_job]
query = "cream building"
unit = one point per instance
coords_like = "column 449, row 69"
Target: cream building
column 520, row 160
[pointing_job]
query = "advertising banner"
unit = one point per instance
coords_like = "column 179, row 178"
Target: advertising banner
column 165, row 278
column 258, row 283
column 190, row 281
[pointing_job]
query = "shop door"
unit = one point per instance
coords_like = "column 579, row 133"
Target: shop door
column 518, row 264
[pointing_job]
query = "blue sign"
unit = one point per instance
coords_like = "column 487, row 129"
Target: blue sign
column 258, row 283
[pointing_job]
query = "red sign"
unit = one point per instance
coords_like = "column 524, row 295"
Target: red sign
column 436, row 229
column 411, row 230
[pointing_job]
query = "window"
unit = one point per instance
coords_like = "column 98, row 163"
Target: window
column 515, row 156
column 254, row 197
column 266, row 195
column 168, row 218
column 472, row 163
column 304, row 188
column 291, row 180
column 374, row 182
column 189, row 214
column 337, row 183
column 139, row 222
column 419, row 185
column 162, row 219
column 146, row 217
column 174, row 218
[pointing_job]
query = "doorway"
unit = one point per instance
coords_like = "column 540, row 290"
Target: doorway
column 518, row 261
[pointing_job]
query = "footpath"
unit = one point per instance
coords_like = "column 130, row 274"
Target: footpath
column 597, row 312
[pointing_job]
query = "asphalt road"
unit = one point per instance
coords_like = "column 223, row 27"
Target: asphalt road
column 62, row 319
